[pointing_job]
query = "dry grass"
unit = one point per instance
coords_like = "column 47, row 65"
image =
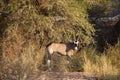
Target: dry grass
column 104, row 65
column 20, row 57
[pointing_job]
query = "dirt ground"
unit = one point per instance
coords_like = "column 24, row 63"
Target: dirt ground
column 63, row 76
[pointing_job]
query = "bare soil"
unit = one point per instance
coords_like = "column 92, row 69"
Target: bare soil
column 63, row 76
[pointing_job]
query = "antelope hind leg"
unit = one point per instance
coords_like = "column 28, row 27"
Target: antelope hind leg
column 48, row 63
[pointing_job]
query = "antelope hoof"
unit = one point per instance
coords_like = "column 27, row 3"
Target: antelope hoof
column 49, row 69
column 68, row 62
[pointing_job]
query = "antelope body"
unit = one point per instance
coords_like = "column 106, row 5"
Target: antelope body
column 66, row 49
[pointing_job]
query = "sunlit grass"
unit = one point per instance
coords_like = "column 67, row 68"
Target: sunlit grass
column 103, row 65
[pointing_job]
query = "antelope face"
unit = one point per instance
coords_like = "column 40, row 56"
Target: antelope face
column 76, row 44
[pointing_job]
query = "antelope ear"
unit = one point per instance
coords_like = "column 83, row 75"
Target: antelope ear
column 74, row 42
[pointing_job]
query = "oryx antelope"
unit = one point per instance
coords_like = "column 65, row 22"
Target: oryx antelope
column 66, row 49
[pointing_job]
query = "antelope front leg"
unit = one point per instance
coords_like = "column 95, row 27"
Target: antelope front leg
column 68, row 59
